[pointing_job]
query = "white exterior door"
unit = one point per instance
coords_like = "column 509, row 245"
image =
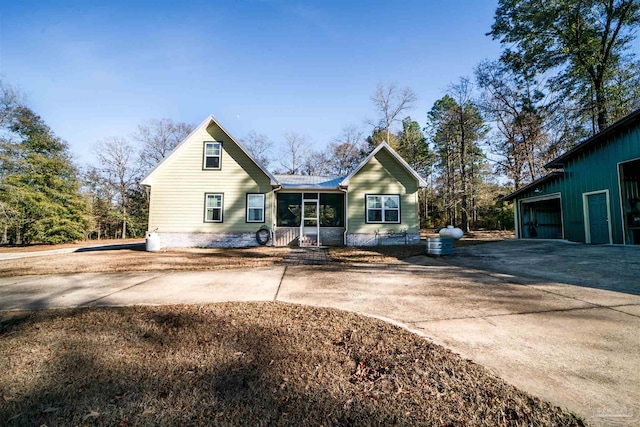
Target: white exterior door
column 310, row 224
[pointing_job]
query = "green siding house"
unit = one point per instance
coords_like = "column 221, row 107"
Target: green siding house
column 591, row 194
column 211, row 192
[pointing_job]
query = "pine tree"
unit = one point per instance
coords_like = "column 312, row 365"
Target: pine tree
column 40, row 185
column 413, row 147
column 456, row 127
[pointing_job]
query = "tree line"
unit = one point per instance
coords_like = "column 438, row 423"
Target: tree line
column 46, row 198
column 566, row 72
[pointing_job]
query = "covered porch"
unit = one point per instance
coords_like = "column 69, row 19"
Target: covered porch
column 309, row 211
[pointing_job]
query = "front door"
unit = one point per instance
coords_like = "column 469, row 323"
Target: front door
column 310, row 224
column 598, row 218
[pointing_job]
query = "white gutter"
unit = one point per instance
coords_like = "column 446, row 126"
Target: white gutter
column 346, row 215
column 273, row 214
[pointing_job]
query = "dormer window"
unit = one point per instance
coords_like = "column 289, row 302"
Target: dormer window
column 212, row 155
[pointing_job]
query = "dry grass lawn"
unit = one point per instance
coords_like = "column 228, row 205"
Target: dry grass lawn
column 139, row 260
column 119, row 260
column 243, row 364
column 393, row 253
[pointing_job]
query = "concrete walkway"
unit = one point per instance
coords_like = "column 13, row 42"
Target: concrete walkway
column 153, row 288
column 576, row 346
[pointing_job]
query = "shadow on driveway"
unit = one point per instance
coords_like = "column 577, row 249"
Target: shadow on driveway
column 608, row 267
column 130, row 246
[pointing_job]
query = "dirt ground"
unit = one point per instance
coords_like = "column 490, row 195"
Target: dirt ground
column 234, row 363
column 121, row 260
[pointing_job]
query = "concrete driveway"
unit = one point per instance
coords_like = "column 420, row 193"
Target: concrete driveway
column 611, row 267
column 575, row 345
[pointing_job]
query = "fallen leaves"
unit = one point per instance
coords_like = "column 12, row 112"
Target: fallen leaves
column 92, row 414
column 185, row 259
column 239, row 363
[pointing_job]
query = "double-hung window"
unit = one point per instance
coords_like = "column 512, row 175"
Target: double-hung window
column 383, row 209
column 255, row 207
column 213, row 207
column 212, row 155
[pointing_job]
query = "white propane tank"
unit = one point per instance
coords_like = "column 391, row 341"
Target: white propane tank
column 451, row 232
column 153, row 242
column 444, row 232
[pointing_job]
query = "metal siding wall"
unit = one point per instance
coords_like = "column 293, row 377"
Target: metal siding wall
column 597, row 169
column 592, row 170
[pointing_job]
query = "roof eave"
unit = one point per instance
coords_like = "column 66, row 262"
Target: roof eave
column 147, row 180
column 554, row 165
column 303, row 188
column 531, row 185
column 559, row 161
column 273, row 180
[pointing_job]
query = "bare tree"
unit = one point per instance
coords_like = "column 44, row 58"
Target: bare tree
column 120, row 172
column 346, row 151
column 390, row 102
column 260, row 147
column 158, row 138
column 10, row 99
column 515, row 103
column 316, row 163
column 294, row 152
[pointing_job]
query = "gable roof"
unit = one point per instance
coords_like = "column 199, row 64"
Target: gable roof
column 600, row 137
column 289, row 181
column 384, row 146
column 147, row 180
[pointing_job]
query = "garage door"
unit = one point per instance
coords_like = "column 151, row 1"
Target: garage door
column 541, row 219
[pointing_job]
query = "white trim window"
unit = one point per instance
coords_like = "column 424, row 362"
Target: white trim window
column 255, row 207
column 212, row 155
column 383, row 209
column 213, row 207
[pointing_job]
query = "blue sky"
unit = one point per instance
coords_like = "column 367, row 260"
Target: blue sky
column 97, row 69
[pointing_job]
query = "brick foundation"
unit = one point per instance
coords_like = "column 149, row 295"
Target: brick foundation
column 381, row 239
column 330, row 237
column 208, row 240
